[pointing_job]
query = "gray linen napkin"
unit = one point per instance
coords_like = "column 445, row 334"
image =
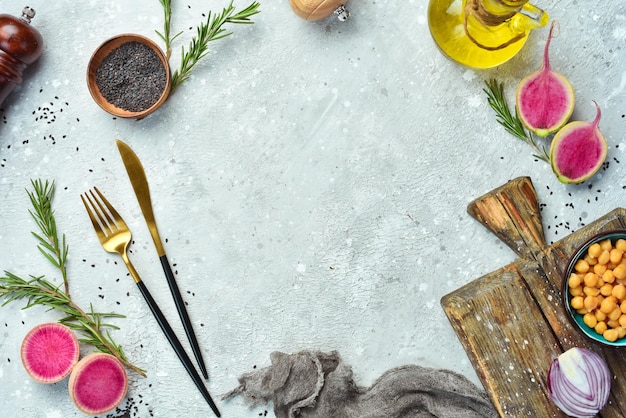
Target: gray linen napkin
column 319, row 385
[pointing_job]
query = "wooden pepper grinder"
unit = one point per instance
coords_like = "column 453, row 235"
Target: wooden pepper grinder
column 319, row 9
column 20, row 46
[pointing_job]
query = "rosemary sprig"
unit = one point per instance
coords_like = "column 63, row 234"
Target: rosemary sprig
column 42, row 214
column 40, row 292
column 211, row 30
column 512, row 123
column 167, row 23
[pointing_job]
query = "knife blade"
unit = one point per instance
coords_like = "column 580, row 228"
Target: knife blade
column 139, row 181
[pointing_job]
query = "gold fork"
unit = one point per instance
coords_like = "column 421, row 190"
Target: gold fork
column 115, row 237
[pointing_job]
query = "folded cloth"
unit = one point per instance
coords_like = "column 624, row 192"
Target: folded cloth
column 320, row 385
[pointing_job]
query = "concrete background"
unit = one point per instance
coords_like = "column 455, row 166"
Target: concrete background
column 311, row 181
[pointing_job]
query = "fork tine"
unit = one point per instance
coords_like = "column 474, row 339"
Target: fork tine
column 103, row 218
column 117, row 218
column 92, row 217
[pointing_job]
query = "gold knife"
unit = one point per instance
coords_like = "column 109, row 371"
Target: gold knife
column 139, row 182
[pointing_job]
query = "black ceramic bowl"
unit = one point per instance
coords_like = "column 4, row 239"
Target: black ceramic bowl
column 577, row 318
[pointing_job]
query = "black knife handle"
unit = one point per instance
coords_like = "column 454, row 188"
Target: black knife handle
column 178, row 348
column 184, row 316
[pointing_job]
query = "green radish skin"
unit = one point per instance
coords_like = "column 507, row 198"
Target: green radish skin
column 578, row 150
column 49, row 352
column 545, row 99
column 98, row 384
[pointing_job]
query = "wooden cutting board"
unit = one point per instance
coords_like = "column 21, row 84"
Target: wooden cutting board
column 512, row 322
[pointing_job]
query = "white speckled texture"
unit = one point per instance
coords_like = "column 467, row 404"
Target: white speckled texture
column 311, row 180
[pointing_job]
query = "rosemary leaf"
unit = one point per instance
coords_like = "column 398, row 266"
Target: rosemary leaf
column 206, row 32
column 43, row 215
column 511, row 122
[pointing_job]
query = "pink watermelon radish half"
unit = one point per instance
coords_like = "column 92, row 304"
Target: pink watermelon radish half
column 98, row 384
column 49, row 352
column 545, row 98
column 578, row 150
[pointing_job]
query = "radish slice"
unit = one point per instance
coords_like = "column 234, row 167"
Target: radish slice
column 98, row 384
column 545, row 98
column 49, row 352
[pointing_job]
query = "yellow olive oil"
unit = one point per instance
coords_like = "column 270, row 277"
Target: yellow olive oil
column 470, row 42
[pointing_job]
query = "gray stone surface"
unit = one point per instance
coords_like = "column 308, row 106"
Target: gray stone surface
column 310, row 180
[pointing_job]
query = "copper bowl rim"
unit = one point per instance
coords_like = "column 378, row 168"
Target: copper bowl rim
column 576, row 318
column 102, row 51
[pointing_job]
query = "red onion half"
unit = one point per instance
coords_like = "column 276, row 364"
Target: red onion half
column 579, row 382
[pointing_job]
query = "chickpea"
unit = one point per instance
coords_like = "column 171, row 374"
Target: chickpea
column 600, row 316
column 610, row 335
column 607, row 306
column 591, row 279
column 621, row 332
column 608, row 276
column 612, row 324
column 615, row 315
column 599, row 268
column 622, row 320
column 620, row 272
column 600, row 327
column 592, row 261
column 606, row 289
column 574, row 280
column 619, row 291
column 621, row 244
column 595, row 250
column 576, row 291
column 591, row 291
column 615, row 256
column 590, row 320
column 605, row 257
column 581, row 266
column 606, row 244
column 591, row 302
column 577, row 302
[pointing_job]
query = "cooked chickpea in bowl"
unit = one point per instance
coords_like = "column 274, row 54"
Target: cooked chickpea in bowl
column 595, row 288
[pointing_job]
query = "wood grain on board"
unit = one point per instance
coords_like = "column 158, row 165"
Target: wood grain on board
column 512, row 322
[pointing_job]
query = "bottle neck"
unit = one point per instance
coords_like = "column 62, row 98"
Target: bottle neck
column 494, row 12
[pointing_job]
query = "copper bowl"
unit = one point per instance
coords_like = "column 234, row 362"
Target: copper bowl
column 576, row 317
column 102, row 52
